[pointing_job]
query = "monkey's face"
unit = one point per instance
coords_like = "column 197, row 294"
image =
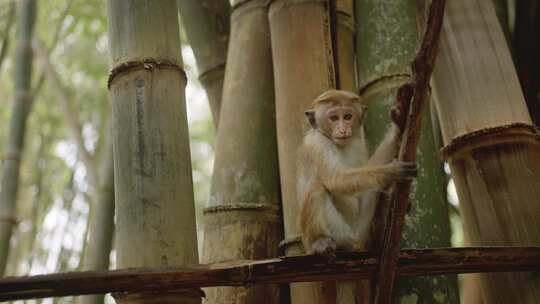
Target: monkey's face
column 340, row 121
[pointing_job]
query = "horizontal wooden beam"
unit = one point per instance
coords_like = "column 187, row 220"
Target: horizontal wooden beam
column 306, row 268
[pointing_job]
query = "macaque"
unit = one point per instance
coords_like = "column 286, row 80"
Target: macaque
column 337, row 183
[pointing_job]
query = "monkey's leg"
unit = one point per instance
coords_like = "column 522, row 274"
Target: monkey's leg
column 323, row 227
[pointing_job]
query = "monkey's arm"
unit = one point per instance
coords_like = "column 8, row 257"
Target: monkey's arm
column 358, row 180
column 387, row 149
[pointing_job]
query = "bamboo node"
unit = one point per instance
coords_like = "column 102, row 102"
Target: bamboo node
column 212, row 72
column 23, row 97
column 145, row 64
column 509, row 134
column 242, row 207
column 11, row 156
column 9, row 219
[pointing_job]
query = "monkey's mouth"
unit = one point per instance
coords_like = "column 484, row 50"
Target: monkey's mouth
column 341, row 140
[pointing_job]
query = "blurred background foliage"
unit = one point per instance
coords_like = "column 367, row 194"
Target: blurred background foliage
column 54, row 204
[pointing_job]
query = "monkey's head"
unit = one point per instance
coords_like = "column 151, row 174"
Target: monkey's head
column 337, row 114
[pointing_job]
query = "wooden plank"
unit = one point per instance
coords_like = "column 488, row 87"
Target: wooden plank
column 347, row 266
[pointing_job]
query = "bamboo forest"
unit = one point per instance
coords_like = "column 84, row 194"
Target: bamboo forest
column 153, row 151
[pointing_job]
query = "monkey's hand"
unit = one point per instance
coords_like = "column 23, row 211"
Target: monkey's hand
column 400, row 111
column 401, row 170
column 325, row 247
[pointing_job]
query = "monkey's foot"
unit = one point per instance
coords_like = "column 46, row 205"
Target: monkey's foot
column 325, row 247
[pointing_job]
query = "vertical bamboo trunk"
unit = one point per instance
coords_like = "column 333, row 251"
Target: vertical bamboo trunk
column 303, row 69
column 386, row 43
column 492, row 149
column 15, row 143
column 101, row 226
column 242, row 220
column 152, row 171
column 206, row 23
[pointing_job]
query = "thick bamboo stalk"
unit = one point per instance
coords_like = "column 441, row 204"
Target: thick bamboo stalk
column 348, row 265
column 15, row 143
column 412, row 97
column 242, row 220
column 386, row 44
column 303, row 69
column 207, row 26
column 155, row 213
column 493, row 150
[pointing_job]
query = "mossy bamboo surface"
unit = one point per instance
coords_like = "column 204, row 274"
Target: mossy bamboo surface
column 206, row 23
column 11, row 160
column 303, row 69
column 155, row 213
column 386, row 44
column 493, row 152
column 242, row 220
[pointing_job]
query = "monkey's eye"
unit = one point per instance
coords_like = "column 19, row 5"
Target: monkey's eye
column 347, row 116
column 334, row 117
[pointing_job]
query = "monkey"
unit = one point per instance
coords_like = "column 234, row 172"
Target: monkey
column 337, row 183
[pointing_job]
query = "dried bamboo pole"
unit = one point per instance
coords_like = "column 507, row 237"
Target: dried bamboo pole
column 386, row 43
column 303, row 69
column 242, row 220
column 492, row 148
column 11, row 160
column 207, row 26
column 155, row 213
column 348, row 265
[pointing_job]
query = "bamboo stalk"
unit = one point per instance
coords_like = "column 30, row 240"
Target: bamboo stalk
column 303, row 68
column 207, row 26
column 101, row 222
column 243, row 218
column 492, row 148
column 22, row 101
column 348, row 265
column 422, row 68
column 155, row 213
column 386, row 43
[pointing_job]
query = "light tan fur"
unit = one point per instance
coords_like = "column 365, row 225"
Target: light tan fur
column 337, row 183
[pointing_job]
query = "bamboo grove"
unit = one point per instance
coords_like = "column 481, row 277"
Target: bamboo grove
column 467, row 67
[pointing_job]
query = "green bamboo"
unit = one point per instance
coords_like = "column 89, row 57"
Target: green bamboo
column 207, row 25
column 386, row 43
column 20, row 109
column 155, row 212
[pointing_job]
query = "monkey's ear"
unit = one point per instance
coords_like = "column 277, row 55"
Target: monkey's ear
column 310, row 114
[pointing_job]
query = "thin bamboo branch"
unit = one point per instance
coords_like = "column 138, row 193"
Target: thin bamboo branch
column 301, row 268
column 66, row 106
column 422, row 68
